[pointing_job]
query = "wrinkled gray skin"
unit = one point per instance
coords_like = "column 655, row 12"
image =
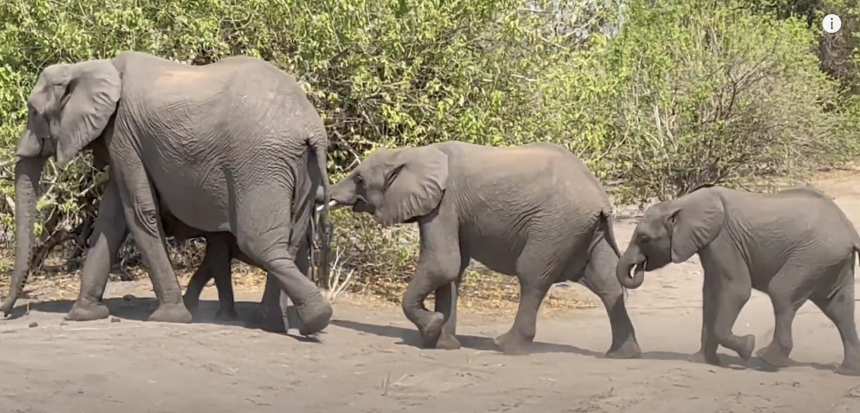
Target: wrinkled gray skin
column 534, row 212
column 221, row 249
column 795, row 246
column 225, row 146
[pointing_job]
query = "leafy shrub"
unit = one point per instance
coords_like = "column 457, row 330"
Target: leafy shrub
column 656, row 96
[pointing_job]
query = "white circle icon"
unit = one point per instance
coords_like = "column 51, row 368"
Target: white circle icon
column 831, row 23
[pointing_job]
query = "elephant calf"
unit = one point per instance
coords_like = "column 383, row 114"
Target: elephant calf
column 533, row 211
column 796, row 245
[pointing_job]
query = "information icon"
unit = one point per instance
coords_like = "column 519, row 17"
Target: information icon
column 831, row 23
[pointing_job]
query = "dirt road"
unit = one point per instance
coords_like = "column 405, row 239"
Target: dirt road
column 368, row 361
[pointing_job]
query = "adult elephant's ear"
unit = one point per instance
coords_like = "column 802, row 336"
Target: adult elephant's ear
column 414, row 186
column 694, row 222
column 89, row 98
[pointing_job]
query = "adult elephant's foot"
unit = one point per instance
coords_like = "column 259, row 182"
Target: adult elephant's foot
column 87, row 311
column 171, row 313
column 448, row 342
column 712, row 359
column 774, row 356
column 629, row 350
column 431, row 329
column 314, row 316
column 746, row 347
column 512, row 344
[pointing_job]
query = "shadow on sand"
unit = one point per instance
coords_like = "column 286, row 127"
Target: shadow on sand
column 411, row 337
column 139, row 309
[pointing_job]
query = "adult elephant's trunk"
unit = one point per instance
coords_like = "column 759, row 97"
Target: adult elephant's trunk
column 631, row 258
column 28, row 173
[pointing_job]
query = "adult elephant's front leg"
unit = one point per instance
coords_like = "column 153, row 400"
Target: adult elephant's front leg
column 109, row 232
column 142, row 216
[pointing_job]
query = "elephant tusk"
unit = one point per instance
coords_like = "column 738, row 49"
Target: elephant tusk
column 331, row 204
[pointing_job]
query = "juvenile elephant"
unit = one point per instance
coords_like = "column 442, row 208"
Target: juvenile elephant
column 795, row 245
column 224, row 146
column 533, row 211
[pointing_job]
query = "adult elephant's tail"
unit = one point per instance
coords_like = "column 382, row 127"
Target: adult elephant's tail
column 319, row 144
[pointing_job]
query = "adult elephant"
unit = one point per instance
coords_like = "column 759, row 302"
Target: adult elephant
column 225, row 146
column 534, row 211
column 796, row 245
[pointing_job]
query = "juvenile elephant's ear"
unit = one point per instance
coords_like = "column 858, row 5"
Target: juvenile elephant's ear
column 694, row 221
column 414, row 186
column 92, row 91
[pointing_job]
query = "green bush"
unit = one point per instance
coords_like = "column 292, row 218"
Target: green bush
column 688, row 91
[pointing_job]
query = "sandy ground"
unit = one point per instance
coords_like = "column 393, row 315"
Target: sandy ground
column 367, row 360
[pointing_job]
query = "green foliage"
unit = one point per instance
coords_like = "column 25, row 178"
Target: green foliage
column 687, row 92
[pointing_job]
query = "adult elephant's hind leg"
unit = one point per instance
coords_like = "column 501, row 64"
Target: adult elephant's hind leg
column 143, row 219
column 601, row 280
column 109, row 233
column 265, row 238
column 537, row 269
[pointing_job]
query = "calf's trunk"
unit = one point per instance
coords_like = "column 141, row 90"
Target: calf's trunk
column 631, row 259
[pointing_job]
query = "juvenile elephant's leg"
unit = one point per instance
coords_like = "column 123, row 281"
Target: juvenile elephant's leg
column 198, row 281
column 601, row 280
column 439, row 263
column 109, row 233
column 222, row 272
column 838, row 306
column 708, row 352
column 142, row 216
column 446, row 303
column 786, row 300
column 732, row 293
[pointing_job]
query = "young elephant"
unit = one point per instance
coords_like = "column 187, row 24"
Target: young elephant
column 795, row 245
column 533, row 211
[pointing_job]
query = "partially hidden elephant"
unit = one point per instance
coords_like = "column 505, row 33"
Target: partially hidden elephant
column 221, row 249
column 534, row 211
column 224, row 146
column 795, row 245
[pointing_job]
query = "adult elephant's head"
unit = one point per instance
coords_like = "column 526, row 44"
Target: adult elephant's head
column 70, row 106
column 671, row 231
column 395, row 185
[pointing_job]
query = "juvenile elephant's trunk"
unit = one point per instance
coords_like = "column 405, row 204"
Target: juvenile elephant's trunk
column 631, row 258
column 28, row 173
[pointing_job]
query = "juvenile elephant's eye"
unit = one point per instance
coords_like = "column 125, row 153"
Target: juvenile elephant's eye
column 359, row 179
column 643, row 239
